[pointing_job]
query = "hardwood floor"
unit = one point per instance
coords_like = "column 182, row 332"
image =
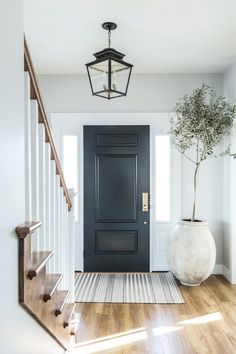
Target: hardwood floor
column 206, row 323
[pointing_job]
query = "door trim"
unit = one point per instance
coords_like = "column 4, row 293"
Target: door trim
column 72, row 124
column 116, row 155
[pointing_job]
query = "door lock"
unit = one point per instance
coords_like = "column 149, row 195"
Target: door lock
column 145, row 202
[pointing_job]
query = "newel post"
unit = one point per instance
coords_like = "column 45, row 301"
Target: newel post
column 71, row 245
column 24, row 232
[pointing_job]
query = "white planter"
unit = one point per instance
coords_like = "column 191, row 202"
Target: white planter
column 191, row 252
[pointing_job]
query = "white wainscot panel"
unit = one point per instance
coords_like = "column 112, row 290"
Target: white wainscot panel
column 160, row 259
column 162, row 241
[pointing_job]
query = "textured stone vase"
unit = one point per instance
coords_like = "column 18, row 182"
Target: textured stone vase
column 191, row 252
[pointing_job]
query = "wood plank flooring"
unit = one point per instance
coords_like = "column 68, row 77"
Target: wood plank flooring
column 206, row 323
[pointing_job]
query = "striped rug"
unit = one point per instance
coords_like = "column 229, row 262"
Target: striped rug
column 144, row 288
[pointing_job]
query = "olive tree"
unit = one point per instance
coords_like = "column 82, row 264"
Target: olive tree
column 200, row 123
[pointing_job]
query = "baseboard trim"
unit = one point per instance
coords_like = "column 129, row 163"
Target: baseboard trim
column 221, row 269
column 227, row 273
column 218, row 269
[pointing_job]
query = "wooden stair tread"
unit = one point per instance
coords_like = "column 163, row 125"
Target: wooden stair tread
column 74, row 323
column 61, row 300
column 68, row 314
column 27, row 228
column 38, row 261
column 52, row 281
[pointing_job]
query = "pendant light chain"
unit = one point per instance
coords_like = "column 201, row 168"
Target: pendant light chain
column 109, row 39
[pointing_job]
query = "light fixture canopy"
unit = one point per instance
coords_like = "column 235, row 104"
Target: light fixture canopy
column 109, row 74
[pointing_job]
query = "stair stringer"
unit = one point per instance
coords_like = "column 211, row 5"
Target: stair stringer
column 31, row 294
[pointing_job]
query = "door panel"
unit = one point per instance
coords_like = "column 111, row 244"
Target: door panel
column 116, row 241
column 116, row 173
column 116, row 140
column 116, row 188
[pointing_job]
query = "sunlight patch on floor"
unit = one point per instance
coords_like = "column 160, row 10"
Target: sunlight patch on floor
column 216, row 316
column 113, row 341
column 119, row 339
column 158, row 331
column 139, row 334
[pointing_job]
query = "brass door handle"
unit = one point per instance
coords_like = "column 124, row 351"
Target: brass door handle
column 145, row 202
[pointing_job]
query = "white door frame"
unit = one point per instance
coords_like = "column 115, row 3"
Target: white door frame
column 72, row 124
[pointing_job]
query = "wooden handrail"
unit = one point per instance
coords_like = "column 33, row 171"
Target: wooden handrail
column 35, row 94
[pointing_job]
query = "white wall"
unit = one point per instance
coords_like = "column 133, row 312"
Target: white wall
column 72, row 124
column 209, row 200
column 19, row 332
column 229, row 178
column 147, row 93
column 229, row 84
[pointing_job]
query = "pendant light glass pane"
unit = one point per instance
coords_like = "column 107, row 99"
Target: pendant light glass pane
column 119, row 76
column 99, row 76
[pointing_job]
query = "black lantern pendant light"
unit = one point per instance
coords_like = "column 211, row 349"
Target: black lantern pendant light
column 109, row 74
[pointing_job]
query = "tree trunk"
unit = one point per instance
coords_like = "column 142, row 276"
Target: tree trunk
column 195, row 190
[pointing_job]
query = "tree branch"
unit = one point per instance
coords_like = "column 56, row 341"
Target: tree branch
column 197, row 150
column 187, row 157
column 195, row 180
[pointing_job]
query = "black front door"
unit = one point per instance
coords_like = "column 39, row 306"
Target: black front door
column 116, row 203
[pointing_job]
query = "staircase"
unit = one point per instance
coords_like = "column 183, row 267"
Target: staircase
column 46, row 267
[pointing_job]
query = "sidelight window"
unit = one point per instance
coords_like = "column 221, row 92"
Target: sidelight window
column 162, row 143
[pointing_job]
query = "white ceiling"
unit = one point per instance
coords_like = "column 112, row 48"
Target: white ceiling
column 157, row 36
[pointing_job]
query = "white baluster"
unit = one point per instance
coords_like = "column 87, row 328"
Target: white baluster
column 42, row 207
column 71, row 248
column 65, row 243
column 67, row 247
column 47, row 201
column 53, row 213
column 28, row 187
column 34, row 169
column 57, row 255
column 62, row 235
